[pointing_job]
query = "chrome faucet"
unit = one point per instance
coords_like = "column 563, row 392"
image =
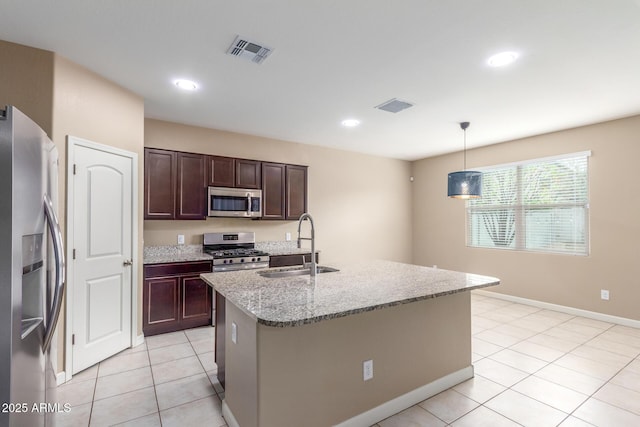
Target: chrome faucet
column 312, row 264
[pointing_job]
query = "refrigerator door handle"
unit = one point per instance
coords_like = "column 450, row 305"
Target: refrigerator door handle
column 56, row 234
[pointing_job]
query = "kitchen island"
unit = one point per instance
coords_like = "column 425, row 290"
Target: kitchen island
column 296, row 346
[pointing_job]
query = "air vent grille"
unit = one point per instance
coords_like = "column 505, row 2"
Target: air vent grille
column 394, row 105
column 254, row 52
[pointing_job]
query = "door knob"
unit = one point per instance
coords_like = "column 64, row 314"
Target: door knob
column 127, row 262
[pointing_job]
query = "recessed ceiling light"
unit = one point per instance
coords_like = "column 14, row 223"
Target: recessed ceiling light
column 350, row 123
column 186, row 84
column 501, row 59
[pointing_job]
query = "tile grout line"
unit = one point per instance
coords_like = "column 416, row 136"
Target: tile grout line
column 591, row 396
column 195, row 354
column 204, row 369
column 93, row 397
column 584, row 341
column 153, row 380
column 530, row 374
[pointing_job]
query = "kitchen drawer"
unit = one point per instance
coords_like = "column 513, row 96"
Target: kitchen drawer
column 177, row 268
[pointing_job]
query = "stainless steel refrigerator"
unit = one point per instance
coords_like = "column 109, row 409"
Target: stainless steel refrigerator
column 31, row 271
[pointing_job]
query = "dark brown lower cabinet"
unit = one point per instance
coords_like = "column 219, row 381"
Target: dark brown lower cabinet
column 161, row 300
column 174, row 297
column 196, row 302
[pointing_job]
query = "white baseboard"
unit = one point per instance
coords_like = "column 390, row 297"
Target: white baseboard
column 407, row 400
column 228, row 415
column 391, row 407
column 139, row 340
column 562, row 308
column 61, row 378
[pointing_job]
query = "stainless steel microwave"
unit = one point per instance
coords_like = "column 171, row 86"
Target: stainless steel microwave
column 234, row 202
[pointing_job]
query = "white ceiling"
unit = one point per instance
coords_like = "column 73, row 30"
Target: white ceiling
column 579, row 64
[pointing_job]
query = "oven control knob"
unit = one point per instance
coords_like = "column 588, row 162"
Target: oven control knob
column 253, row 260
column 230, row 261
column 259, row 259
column 242, row 260
column 224, row 261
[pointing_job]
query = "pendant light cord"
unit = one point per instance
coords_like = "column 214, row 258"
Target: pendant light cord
column 464, row 126
column 465, row 149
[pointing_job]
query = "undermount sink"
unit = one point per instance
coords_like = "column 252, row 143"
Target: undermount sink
column 297, row 271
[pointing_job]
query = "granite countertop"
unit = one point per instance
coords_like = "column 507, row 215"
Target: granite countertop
column 174, row 253
column 187, row 253
column 282, row 248
column 356, row 288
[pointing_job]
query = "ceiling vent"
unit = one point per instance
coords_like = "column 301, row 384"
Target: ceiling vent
column 394, row 105
column 243, row 48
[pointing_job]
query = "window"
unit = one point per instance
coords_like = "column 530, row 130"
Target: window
column 540, row 205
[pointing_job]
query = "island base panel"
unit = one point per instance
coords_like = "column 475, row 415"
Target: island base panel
column 312, row 374
column 220, row 337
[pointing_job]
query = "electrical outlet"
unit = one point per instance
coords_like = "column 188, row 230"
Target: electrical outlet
column 604, row 294
column 181, row 239
column 367, row 370
column 287, row 236
column 234, row 333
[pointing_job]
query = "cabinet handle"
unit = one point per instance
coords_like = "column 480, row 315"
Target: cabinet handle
column 127, row 262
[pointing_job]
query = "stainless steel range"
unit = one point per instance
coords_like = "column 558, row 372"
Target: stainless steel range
column 234, row 251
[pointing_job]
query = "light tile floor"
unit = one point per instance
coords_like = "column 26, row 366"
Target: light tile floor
column 533, row 367
column 539, row 368
column 170, row 380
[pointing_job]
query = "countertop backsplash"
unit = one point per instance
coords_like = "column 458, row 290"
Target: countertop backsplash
column 182, row 253
column 173, row 253
column 274, row 247
column 172, row 250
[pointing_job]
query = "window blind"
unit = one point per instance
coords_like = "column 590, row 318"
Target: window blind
column 539, row 205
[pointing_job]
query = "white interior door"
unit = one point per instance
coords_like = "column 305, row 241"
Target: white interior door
column 101, row 188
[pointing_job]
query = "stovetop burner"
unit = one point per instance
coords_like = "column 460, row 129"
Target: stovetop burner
column 234, row 251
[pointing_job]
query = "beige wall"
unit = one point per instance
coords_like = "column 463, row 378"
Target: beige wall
column 90, row 107
column 361, row 204
column 66, row 99
column 27, row 82
column 575, row 281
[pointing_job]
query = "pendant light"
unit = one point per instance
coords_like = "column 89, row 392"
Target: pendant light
column 465, row 184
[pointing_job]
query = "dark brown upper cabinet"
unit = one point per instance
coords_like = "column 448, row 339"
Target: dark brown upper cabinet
column 273, row 190
column 296, row 191
column 174, row 185
column 160, row 177
column 192, row 187
column 284, row 191
column 221, row 171
column 248, row 174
